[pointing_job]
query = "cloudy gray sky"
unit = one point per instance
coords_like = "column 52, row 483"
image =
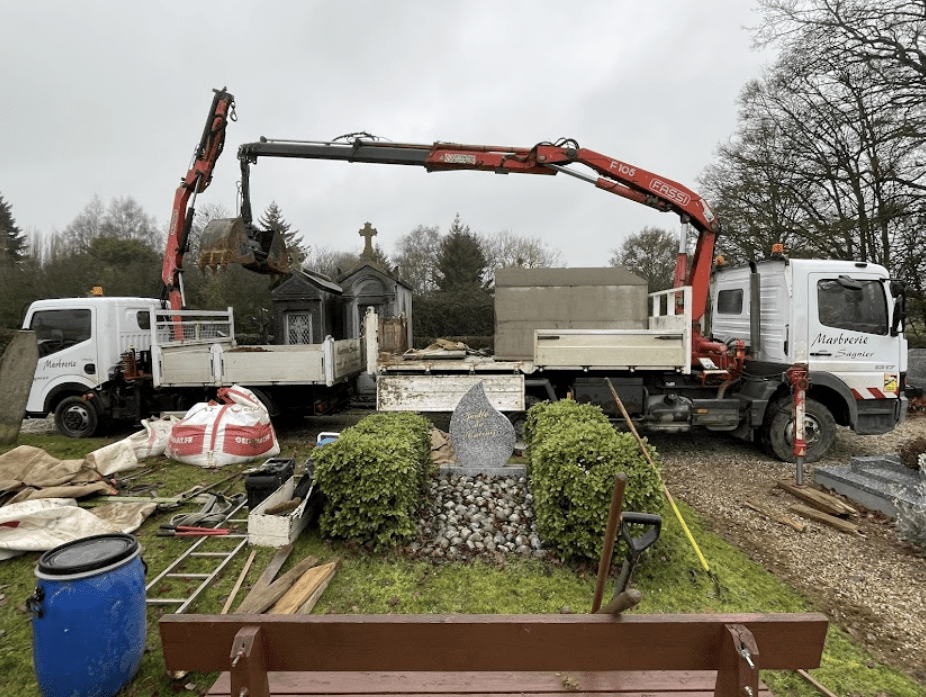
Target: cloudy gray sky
column 109, row 98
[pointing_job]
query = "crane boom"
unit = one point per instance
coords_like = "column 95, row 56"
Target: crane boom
column 609, row 174
column 196, row 181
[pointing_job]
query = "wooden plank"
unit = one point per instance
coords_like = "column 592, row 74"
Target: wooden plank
column 777, row 517
column 266, row 578
column 492, row 642
column 305, row 588
column 825, row 518
column 256, row 603
column 237, row 586
column 625, row 683
column 819, row 500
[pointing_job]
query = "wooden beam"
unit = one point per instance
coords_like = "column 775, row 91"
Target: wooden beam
column 266, row 578
column 819, row 500
column 777, row 517
column 259, row 602
column 237, row 586
column 826, row 519
column 491, row 642
column 306, row 587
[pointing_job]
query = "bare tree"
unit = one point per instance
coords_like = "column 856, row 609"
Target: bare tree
column 329, row 262
column 506, row 250
column 651, row 254
column 416, row 256
column 824, row 158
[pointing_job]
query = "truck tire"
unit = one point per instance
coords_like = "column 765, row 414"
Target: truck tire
column 76, row 418
column 777, row 433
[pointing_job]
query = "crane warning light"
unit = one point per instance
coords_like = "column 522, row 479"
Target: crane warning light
column 719, row 260
column 97, row 291
column 778, row 248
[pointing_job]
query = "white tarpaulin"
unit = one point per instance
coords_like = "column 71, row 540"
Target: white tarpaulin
column 38, row 525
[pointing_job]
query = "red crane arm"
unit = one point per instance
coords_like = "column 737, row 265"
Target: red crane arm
column 610, row 175
column 196, row 181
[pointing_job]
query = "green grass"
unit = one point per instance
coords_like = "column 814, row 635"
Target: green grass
column 671, row 578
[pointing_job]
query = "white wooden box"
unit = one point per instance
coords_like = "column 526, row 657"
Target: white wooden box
column 278, row 530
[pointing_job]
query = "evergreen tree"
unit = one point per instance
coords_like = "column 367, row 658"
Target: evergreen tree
column 461, row 263
column 272, row 219
column 12, row 240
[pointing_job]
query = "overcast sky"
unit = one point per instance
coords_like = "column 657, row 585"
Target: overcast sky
column 110, row 99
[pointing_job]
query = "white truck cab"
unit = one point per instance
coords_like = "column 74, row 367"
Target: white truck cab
column 80, row 341
column 842, row 318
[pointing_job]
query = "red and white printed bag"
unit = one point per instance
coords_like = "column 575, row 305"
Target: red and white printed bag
column 214, row 435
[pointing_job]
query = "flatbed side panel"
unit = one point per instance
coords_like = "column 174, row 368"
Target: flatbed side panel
column 348, row 359
column 272, row 365
column 617, row 349
column 442, row 393
column 184, row 366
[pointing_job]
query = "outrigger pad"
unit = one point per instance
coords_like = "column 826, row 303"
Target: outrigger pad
column 229, row 241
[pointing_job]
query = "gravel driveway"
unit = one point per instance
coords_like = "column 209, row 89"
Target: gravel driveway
column 871, row 584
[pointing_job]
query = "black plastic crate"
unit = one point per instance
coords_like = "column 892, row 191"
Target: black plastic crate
column 270, row 477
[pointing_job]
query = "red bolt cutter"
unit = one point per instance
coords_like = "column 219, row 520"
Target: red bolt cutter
column 190, row 531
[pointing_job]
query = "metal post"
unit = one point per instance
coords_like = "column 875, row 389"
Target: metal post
column 800, row 381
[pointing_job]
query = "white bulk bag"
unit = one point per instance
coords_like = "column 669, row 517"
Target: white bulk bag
column 214, row 435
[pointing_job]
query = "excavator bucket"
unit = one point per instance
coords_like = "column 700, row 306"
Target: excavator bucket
column 229, row 241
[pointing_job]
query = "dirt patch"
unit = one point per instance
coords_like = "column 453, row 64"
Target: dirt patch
column 871, row 584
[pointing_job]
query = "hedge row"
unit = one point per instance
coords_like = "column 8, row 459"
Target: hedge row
column 374, row 478
column 575, row 455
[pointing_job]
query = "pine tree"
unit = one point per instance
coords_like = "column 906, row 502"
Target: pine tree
column 272, row 219
column 461, row 263
column 12, row 240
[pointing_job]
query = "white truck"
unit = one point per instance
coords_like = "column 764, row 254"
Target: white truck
column 842, row 319
column 104, row 358
column 773, row 324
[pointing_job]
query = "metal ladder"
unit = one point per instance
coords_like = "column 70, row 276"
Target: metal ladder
column 193, row 552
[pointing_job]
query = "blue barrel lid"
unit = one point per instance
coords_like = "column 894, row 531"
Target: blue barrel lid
column 87, row 554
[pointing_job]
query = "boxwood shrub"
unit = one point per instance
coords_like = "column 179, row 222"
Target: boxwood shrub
column 575, row 455
column 374, row 478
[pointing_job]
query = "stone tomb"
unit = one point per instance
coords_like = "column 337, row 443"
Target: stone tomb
column 483, row 438
column 876, row 482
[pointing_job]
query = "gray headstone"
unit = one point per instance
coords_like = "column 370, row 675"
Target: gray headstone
column 482, row 437
column 17, row 369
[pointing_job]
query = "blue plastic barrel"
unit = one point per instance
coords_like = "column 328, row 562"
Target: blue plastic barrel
column 88, row 621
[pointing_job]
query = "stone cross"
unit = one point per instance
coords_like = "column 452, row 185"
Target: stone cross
column 367, row 231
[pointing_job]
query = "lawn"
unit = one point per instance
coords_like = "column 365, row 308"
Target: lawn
column 671, row 579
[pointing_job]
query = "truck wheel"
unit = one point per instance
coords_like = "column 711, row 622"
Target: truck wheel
column 777, row 433
column 76, row 418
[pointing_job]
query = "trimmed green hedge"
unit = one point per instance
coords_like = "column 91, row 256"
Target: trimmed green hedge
column 575, row 455
column 374, row 478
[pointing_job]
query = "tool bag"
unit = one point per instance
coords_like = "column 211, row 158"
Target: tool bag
column 213, row 434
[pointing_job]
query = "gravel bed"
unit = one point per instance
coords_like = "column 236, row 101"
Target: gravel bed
column 480, row 516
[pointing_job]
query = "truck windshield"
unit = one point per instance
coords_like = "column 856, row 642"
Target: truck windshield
column 855, row 305
column 58, row 329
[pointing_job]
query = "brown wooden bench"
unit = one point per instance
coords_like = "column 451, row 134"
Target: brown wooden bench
column 453, row 655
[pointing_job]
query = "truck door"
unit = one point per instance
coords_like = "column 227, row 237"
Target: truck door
column 67, row 352
column 849, row 336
